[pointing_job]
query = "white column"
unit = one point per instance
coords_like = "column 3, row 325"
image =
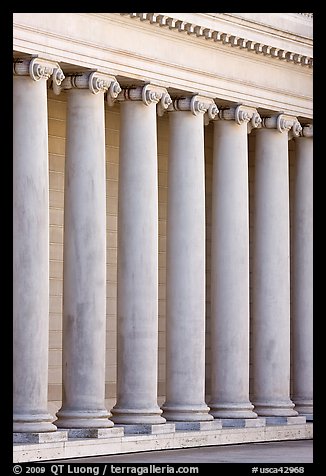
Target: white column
column 230, row 265
column 84, row 273
column 271, row 269
column 31, row 244
column 185, row 281
column 137, row 300
column 302, row 274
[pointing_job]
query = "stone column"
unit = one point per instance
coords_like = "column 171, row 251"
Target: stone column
column 31, row 244
column 302, row 274
column 230, row 268
column 185, row 281
column 271, row 270
column 137, row 300
column 84, row 273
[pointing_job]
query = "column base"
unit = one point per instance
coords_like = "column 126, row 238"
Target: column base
column 74, row 419
column 279, row 420
column 134, row 416
column 198, row 425
column 35, row 423
column 95, row 432
column 146, row 429
column 303, row 406
column 309, row 417
column 243, row 410
column 45, row 437
column 184, row 413
column 275, row 409
column 243, row 422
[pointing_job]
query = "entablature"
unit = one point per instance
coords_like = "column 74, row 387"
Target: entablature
column 138, row 51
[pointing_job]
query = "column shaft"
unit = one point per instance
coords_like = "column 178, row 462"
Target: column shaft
column 84, row 299
column 302, row 277
column 30, row 256
column 271, row 276
column 137, row 303
column 230, row 273
column 185, row 288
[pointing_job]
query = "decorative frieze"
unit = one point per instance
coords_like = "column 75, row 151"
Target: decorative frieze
column 39, row 68
column 148, row 94
column 283, row 123
column 241, row 114
column 224, row 37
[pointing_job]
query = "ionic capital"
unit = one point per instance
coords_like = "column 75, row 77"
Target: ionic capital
column 283, row 123
column 241, row 114
column 197, row 105
column 307, row 130
column 148, row 94
column 96, row 82
column 39, row 68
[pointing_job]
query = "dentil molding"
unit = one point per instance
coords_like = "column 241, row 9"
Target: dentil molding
column 221, row 36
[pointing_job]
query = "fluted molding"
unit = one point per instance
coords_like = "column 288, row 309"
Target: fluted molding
column 148, row 94
column 283, row 123
column 196, row 105
column 241, row 114
column 40, row 68
column 224, row 37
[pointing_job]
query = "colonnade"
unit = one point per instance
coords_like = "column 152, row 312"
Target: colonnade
column 84, row 274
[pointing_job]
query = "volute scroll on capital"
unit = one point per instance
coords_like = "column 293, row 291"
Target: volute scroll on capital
column 39, row 68
column 307, row 131
column 196, row 104
column 283, row 123
column 148, row 94
column 96, row 82
column 241, row 114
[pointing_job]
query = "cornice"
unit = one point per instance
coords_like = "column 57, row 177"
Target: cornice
column 223, row 37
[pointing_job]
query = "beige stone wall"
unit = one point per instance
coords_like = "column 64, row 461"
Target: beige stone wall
column 57, row 125
column 208, row 197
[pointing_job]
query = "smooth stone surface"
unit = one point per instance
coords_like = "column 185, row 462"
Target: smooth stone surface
column 137, row 298
column 185, row 271
column 87, row 447
column 302, row 275
column 46, row 437
column 84, row 270
column 95, row 432
column 229, row 290
column 198, row 425
column 270, row 281
column 243, row 422
column 148, row 429
column 295, row 420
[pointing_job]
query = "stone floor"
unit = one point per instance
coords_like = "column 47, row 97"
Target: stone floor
column 299, row 451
